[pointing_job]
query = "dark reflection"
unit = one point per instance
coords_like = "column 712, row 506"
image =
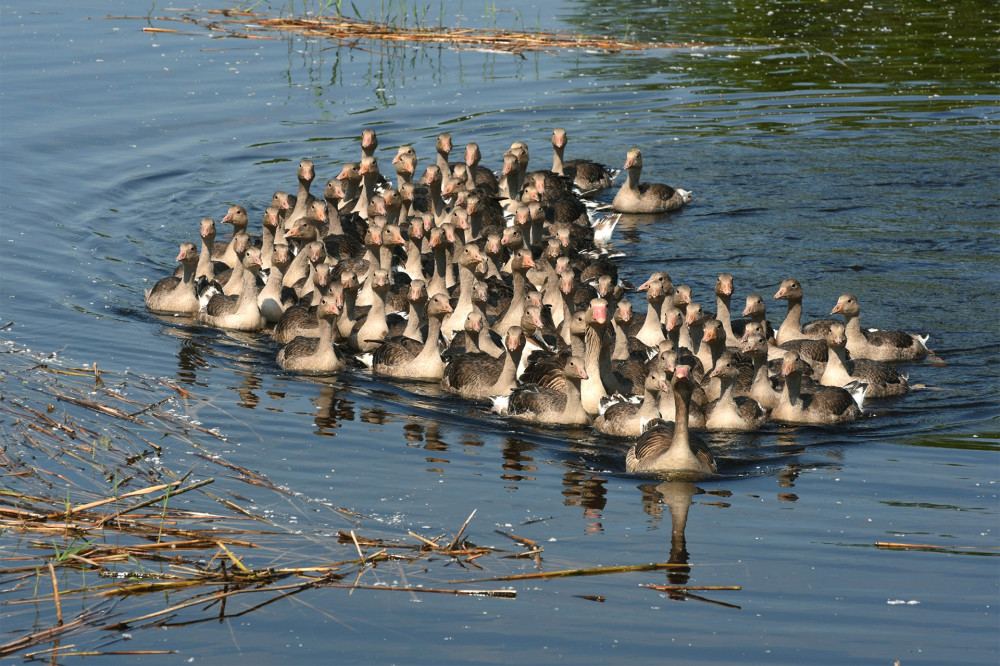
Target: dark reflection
column 190, row 359
column 677, row 496
column 246, row 390
column 375, row 415
column 332, row 408
column 516, row 459
column 585, row 489
column 432, row 438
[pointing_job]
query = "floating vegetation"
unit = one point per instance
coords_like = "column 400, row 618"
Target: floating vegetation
column 247, row 24
column 103, row 511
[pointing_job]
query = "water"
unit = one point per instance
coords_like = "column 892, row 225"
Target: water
column 850, row 145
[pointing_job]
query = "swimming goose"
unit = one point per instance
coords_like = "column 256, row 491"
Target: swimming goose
column 670, row 447
column 394, row 360
column 882, row 377
column 729, row 411
column 622, row 416
column 826, row 405
column 638, row 197
column 479, row 375
column 240, row 312
column 588, row 176
column 875, row 343
column 791, row 327
column 176, row 295
column 316, row 356
column 541, row 404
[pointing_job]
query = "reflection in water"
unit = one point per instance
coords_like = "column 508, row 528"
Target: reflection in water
column 515, row 459
column 677, row 496
column 583, row 488
column 332, row 409
column 246, row 390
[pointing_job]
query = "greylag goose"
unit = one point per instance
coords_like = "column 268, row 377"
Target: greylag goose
column 395, row 360
column 240, row 312
column 316, row 356
column 756, row 310
column 671, row 448
column 275, row 298
column 826, row 405
column 541, row 404
column 658, row 287
column 480, row 375
column 875, row 343
column 236, row 216
column 731, row 412
column 761, row 388
column 638, row 197
column 883, row 378
column 370, row 333
column 622, row 416
column 588, row 176
column 176, row 295
column 791, row 327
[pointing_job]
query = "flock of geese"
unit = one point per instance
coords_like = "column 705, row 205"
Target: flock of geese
column 500, row 287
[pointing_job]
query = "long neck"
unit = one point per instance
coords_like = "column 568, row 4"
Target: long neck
column 188, row 274
column 620, row 351
column 724, row 315
column 206, row 266
column 248, row 296
column 681, row 438
column 835, row 373
column 413, row 323
column 385, row 258
column 652, row 330
column 430, row 349
column 632, row 179
column 333, row 212
column 438, row 280
column 508, row 374
column 793, row 319
column 557, row 159
column 574, row 407
column 793, row 385
column 347, row 319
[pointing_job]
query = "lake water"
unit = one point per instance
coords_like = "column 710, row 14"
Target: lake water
column 851, row 145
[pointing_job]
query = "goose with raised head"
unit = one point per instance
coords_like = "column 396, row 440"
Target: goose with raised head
column 638, row 197
column 729, row 411
column 791, row 327
column 762, row 389
column 756, row 310
column 316, row 356
column 588, row 176
column 670, row 447
column 875, row 343
column 882, row 377
column 622, row 416
column 238, row 312
column 825, row 405
column 236, row 216
column 540, row 404
column 395, row 360
column 369, row 333
column 479, row 375
column 658, row 288
column 176, row 295
column 275, row 298
column 521, row 262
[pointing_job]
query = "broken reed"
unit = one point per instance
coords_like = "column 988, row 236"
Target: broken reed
column 246, row 24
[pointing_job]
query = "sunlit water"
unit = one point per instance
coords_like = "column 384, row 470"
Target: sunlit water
column 850, row 147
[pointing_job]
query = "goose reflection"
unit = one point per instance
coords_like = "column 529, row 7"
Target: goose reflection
column 332, row 409
column 584, row 489
column 677, row 496
column 516, row 459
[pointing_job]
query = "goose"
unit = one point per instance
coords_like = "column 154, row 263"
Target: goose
column 540, row 404
column 236, row 216
column 316, row 356
column 369, row 333
column 666, row 447
column 827, row 405
column 395, row 360
column 882, row 377
column 755, row 309
column 300, row 319
column 761, row 388
column 637, row 197
column 588, row 176
column 875, row 343
column 658, row 287
column 240, row 312
column 275, row 298
column 176, row 295
column 791, row 327
column 731, row 412
column 622, row 416
column 480, row 375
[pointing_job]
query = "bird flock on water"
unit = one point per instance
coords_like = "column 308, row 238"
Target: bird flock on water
column 502, row 287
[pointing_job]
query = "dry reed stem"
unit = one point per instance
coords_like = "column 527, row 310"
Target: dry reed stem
column 247, row 25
